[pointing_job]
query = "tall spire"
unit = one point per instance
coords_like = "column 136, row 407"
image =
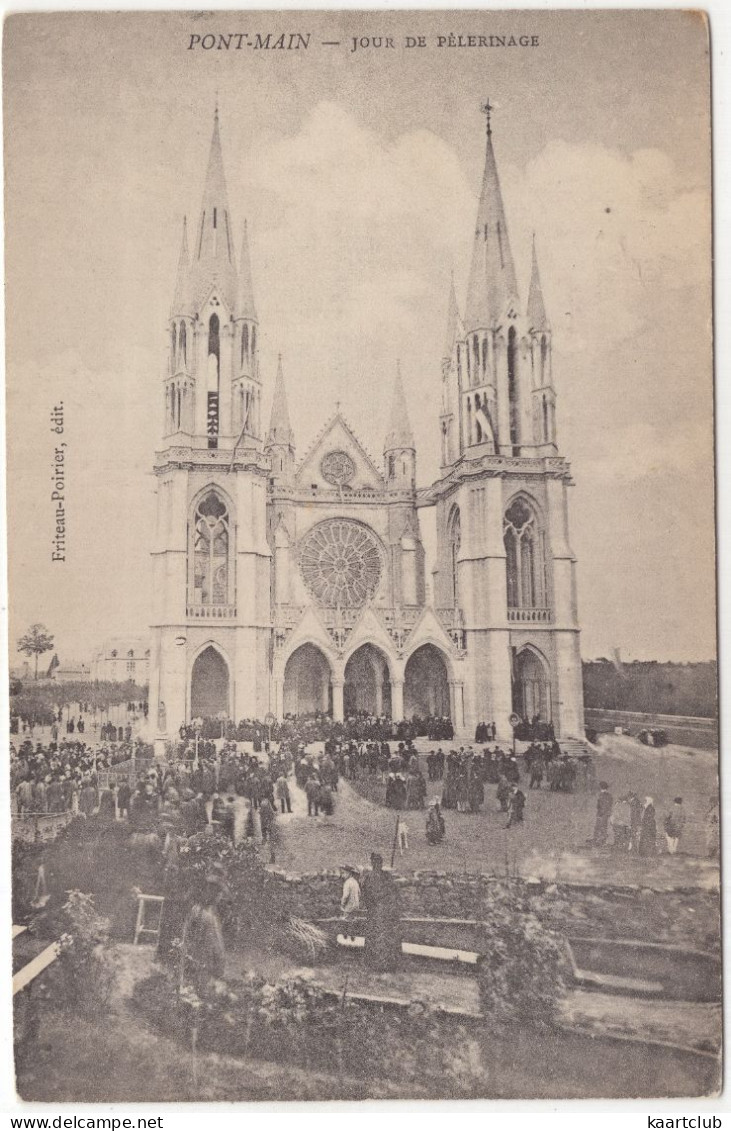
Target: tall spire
column 399, row 434
column 492, row 275
column 214, row 263
column 536, row 310
column 280, row 430
column 453, row 321
column 182, row 302
column 245, row 307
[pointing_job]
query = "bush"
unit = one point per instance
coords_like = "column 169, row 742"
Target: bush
column 523, row 974
column 294, row 1021
column 84, row 975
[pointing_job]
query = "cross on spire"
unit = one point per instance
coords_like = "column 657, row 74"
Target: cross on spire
column 487, row 110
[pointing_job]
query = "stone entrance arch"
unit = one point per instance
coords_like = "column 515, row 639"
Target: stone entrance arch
column 367, row 682
column 426, row 684
column 210, row 690
column 531, row 687
column 307, row 682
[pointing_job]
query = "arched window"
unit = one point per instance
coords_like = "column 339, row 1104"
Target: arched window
column 545, row 420
column 454, row 532
column 476, row 359
column 253, row 342
column 513, row 389
column 459, row 362
column 172, row 347
column 211, row 552
column 244, row 343
column 544, row 358
column 469, row 423
column 177, row 418
column 484, row 355
column 183, row 338
column 478, row 426
column 524, row 549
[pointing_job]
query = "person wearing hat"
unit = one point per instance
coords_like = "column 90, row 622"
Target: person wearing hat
column 350, row 900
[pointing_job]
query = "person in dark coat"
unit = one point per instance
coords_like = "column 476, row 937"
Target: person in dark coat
column 266, row 818
column 435, row 826
column 124, row 796
column 503, row 793
column 516, row 805
column 383, row 921
column 604, row 806
column 648, row 829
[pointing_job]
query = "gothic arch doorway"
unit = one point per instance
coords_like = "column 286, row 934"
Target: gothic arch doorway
column 426, row 684
column 367, row 683
column 209, row 685
column 307, row 686
column 531, row 688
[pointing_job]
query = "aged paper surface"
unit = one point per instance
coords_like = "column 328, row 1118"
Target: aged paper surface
column 361, row 559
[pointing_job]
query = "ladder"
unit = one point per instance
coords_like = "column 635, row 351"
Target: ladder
column 142, row 926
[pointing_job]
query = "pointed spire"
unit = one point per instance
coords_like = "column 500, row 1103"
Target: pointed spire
column 453, row 321
column 399, row 434
column 213, row 263
column 280, row 430
column 182, row 303
column 492, row 276
column 245, row 300
column 536, row 311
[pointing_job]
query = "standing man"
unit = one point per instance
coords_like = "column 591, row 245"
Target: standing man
column 604, row 805
column 382, row 932
column 350, row 900
column 516, row 805
column 281, row 792
column 674, row 825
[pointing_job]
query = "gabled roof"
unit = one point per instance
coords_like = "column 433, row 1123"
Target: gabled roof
column 337, row 435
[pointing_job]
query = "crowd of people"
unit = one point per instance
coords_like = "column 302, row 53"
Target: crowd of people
column 633, row 822
column 202, row 778
column 63, row 775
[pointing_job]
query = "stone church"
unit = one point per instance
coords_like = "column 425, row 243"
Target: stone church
column 290, row 581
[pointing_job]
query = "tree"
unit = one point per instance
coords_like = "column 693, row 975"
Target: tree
column 36, row 641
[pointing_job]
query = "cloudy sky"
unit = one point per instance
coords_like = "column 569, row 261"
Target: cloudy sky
column 358, row 173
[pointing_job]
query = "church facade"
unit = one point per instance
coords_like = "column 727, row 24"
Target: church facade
column 289, row 586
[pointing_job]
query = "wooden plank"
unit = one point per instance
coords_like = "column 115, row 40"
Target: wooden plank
column 441, row 953
column 25, row 976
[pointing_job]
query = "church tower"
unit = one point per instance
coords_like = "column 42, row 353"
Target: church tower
column 211, row 561
column 505, row 567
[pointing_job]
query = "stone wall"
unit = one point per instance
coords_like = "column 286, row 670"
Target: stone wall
column 688, row 918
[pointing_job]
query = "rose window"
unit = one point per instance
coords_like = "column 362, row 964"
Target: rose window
column 341, row 563
column 337, row 468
